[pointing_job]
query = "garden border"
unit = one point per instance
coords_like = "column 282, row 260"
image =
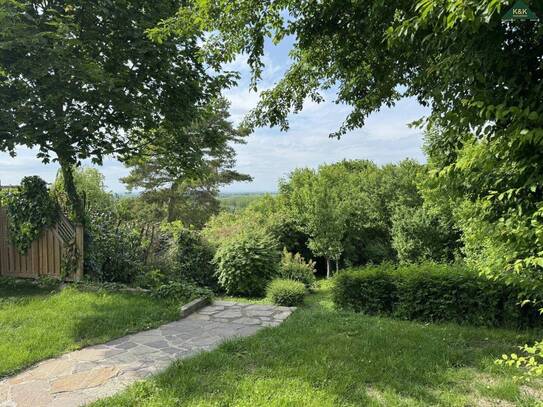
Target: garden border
column 194, row 306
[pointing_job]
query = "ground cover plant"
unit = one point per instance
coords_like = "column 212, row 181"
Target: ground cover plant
column 323, row 357
column 433, row 292
column 37, row 323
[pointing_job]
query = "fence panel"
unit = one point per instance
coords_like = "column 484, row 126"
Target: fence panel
column 44, row 258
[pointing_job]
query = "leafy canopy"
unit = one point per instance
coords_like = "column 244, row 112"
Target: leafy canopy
column 81, row 79
column 481, row 77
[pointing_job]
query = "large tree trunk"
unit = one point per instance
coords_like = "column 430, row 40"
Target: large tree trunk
column 171, row 202
column 69, row 185
column 327, row 267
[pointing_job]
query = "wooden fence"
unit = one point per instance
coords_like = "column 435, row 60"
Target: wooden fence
column 45, row 257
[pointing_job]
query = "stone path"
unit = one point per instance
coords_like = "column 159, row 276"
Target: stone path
column 99, row 371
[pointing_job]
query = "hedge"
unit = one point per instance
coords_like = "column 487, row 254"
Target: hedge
column 433, row 293
column 285, row 292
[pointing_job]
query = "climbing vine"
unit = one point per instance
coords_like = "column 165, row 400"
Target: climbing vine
column 30, row 210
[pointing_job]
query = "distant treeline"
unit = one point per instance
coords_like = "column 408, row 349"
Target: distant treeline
column 236, row 202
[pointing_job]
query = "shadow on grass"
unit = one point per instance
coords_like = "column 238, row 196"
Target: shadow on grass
column 326, row 358
column 109, row 315
column 21, row 291
column 38, row 325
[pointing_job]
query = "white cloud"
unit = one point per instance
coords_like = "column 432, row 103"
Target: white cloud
column 271, row 154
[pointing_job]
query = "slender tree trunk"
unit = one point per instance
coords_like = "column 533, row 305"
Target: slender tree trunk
column 69, row 185
column 327, row 267
column 171, row 202
column 337, row 266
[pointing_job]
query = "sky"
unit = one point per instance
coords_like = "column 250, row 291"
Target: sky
column 270, row 154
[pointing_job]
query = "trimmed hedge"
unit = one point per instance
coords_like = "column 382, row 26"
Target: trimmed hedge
column 433, row 293
column 286, row 292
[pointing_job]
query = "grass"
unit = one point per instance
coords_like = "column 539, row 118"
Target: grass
column 322, row 357
column 245, row 300
column 38, row 323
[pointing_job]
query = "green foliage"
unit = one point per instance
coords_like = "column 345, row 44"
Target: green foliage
column 372, row 291
column 236, row 202
column 294, row 267
column 316, row 199
column 81, row 79
column 181, row 291
column 114, row 249
column 90, row 185
column 366, row 201
column 478, row 75
column 268, row 214
column 31, row 210
column 431, row 292
column 419, row 234
column 150, row 278
column 531, row 359
column 285, row 292
column 246, row 263
column 192, row 258
column 183, row 172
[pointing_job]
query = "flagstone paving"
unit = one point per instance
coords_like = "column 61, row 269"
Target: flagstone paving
column 98, row 371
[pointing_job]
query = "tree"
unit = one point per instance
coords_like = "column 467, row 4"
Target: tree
column 419, row 234
column 481, row 77
column 90, row 186
column 185, row 169
column 317, row 201
column 81, row 79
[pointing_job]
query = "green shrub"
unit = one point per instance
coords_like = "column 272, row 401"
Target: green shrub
column 150, row 278
column 113, row 249
column 246, row 263
column 372, row 291
column 432, row 292
column 180, row 291
column 294, row 267
column 192, row 258
column 284, row 292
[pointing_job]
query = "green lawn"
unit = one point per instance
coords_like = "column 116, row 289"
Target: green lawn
column 37, row 323
column 320, row 357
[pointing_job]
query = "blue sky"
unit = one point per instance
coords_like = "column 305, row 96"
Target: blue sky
column 269, row 153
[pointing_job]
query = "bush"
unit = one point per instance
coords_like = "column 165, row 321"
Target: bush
column 372, row 291
column 192, row 258
column 181, row 291
column 294, row 267
column 113, row 250
column 286, row 292
column 246, row 263
column 432, row 292
column 151, row 277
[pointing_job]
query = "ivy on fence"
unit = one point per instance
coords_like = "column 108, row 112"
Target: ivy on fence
column 30, row 210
